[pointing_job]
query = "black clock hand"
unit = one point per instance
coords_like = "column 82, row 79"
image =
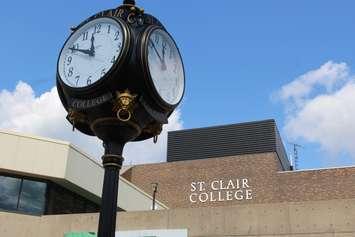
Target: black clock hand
column 85, row 51
column 92, row 47
column 163, row 64
column 156, row 51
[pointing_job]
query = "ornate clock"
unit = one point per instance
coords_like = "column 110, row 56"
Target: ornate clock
column 118, row 56
column 120, row 75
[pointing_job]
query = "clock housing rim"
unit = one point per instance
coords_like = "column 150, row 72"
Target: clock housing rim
column 146, row 71
column 116, row 66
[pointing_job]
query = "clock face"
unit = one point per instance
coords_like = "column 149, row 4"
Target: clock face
column 165, row 67
column 90, row 52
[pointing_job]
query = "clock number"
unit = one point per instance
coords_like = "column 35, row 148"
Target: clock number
column 75, row 46
column 164, row 45
column 103, row 72
column 69, row 59
column 113, row 59
column 77, row 78
column 171, row 54
column 85, row 35
column 117, row 35
column 98, row 28
column 88, row 81
column 150, row 44
column 108, row 29
column 70, row 72
column 156, row 39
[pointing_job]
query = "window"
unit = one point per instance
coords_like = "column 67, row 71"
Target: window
column 33, row 197
column 17, row 194
column 9, row 193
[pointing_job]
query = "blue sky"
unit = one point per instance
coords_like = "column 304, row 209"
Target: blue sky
column 237, row 54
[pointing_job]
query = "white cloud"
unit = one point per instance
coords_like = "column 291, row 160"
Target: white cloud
column 22, row 111
column 328, row 76
column 323, row 103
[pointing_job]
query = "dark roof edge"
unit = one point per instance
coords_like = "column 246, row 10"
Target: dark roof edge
column 225, row 126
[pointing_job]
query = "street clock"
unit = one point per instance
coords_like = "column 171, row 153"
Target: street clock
column 120, row 63
column 120, row 76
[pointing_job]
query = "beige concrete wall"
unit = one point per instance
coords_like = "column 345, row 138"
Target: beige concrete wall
column 32, row 155
column 335, row 218
column 66, row 165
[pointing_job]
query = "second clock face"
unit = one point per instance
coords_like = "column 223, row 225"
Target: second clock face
column 165, row 67
column 91, row 52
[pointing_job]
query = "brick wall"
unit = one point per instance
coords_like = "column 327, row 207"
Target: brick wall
column 266, row 183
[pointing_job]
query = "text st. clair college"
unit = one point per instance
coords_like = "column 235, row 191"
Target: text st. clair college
column 220, row 190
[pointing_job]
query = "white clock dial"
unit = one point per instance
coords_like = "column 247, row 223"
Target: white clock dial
column 91, row 52
column 165, row 66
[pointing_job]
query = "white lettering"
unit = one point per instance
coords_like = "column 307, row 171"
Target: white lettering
column 193, row 187
column 221, row 185
column 230, row 185
column 220, row 190
column 191, row 196
column 245, row 183
column 213, row 185
column 239, row 197
column 202, row 186
column 229, row 196
column 248, row 194
column 212, row 197
column 237, row 186
column 205, row 199
column 220, row 199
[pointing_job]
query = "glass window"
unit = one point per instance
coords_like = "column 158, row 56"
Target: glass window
column 33, row 196
column 9, row 193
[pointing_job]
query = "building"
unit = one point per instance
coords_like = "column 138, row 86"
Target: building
column 45, row 177
column 232, row 180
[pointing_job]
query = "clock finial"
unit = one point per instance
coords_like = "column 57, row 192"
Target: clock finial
column 130, row 2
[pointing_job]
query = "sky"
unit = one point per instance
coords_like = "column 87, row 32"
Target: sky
column 292, row 61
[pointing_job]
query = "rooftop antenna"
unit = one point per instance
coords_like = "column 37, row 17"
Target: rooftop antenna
column 295, row 154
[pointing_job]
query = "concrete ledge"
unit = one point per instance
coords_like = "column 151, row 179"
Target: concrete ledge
column 311, row 219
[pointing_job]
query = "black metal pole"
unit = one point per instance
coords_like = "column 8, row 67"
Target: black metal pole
column 155, row 189
column 112, row 162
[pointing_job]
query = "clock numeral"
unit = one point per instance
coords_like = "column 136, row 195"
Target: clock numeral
column 117, row 35
column 70, row 72
column 164, row 44
column 113, row 60
column 120, row 45
column 103, row 72
column 88, row 81
column 98, row 28
column 77, row 78
column 156, row 39
column 85, row 35
column 171, row 54
column 69, row 59
column 150, row 44
column 108, row 29
column 75, row 46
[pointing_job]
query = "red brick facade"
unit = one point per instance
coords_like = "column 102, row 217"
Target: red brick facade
column 244, row 179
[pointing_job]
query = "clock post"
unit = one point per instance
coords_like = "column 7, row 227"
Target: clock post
column 120, row 76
